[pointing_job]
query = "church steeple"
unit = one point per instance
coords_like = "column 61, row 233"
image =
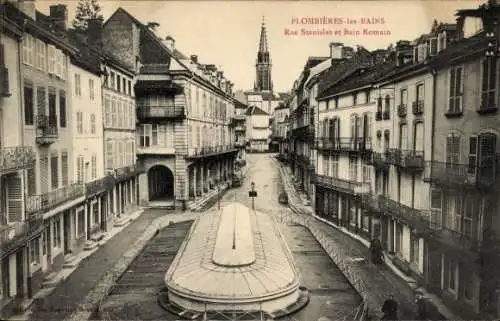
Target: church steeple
column 263, row 66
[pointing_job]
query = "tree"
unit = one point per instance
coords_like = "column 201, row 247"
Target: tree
column 86, row 9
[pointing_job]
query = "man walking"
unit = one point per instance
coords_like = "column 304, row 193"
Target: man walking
column 390, row 309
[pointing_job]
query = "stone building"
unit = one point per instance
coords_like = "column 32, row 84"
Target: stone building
column 185, row 143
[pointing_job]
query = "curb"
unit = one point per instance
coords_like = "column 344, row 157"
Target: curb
column 105, row 285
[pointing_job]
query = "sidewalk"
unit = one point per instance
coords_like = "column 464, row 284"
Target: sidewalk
column 66, row 297
column 378, row 281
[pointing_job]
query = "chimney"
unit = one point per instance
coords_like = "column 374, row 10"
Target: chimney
column 94, row 32
column 28, row 7
column 169, row 42
column 347, row 52
column 336, row 50
column 194, row 58
column 59, row 16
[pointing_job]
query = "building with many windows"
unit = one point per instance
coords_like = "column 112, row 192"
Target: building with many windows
column 184, row 141
column 258, row 131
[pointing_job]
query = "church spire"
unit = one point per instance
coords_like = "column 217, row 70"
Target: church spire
column 263, row 38
column 263, row 66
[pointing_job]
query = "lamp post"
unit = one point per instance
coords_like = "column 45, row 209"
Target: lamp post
column 253, row 194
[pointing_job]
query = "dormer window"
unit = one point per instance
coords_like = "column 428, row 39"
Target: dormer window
column 441, row 41
column 433, row 47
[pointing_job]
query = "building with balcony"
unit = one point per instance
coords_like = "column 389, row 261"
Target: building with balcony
column 17, row 226
column 257, row 129
column 239, row 126
column 462, row 252
column 47, row 129
column 184, row 141
column 280, row 127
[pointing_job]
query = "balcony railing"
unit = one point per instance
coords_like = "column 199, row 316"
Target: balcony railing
column 49, row 200
column 452, row 175
column 46, row 130
column 346, row 186
column 378, row 115
column 344, row 144
column 150, row 112
column 408, row 159
column 241, row 143
column 212, row 150
column 305, row 161
column 12, row 235
column 380, row 160
column 418, row 107
column 98, row 186
column 402, row 110
column 15, row 158
column 416, row 218
column 240, row 128
column 386, row 115
column 445, row 235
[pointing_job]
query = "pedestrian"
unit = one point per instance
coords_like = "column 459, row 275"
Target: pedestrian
column 376, row 251
column 390, row 309
column 425, row 309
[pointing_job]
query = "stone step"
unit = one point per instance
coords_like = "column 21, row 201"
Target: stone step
column 122, row 221
column 70, row 261
column 50, row 280
column 90, row 245
column 97, row 236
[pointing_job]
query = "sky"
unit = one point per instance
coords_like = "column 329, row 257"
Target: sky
column 226, row 33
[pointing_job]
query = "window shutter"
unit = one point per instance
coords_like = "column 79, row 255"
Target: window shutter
column 433, row 46
column 353, row 126
column 486, row 157
column 473, row 149
column 14, row 198
column 452, row 89
column 449, row 149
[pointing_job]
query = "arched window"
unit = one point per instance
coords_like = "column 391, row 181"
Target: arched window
column 379, row 105
column 453, row 142
column 387, row 104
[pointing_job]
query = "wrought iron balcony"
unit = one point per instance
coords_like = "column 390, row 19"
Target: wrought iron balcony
column 378, row 115
column 349, row 144
column 15, row 158
column 386, row 115
column 124, row 173
column 402, row 110
column 448, row 236
column 240, row 128
column 46, row 130
column 380, row 161
column 240, row 143
column 416, row 218
column 212, row 151
column 343, row 185
column 453, row 175
column 50, row 200
column 98, row 186
column 160, row 112
column 407, row 159
column 305, row 161
column 15, row 234
column 418, row 107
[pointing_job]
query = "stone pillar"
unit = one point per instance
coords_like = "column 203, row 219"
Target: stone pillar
column 194, row 180
column 143, row 189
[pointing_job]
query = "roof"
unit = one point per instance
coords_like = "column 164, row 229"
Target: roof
column 239, row 104
column 87, row 57
column 254, row 110
column 247, row 254
column 459, row 50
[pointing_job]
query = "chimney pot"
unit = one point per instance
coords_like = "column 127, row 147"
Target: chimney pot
column 194, row 58
column 59, row 16
column 169, row 43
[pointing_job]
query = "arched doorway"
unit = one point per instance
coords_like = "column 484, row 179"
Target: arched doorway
column 160, row 183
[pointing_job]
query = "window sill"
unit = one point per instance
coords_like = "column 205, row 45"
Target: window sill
column 487, row 110
column 453, row 114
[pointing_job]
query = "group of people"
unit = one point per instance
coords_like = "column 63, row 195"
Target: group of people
column 424, row 310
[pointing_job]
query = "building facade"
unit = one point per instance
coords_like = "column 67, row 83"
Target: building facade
column 184, row 141
column 257, row 129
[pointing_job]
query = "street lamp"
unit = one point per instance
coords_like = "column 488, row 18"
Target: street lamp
column 253, row 194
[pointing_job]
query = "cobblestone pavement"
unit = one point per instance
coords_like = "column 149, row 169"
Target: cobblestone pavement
column 68, row 296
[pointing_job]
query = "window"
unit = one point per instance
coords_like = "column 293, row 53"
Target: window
column 62, row 109
column 113, row 113
column 52, row 107
column 79, row 169
column 119, row 153
column 403, row 137
column 31, row 178
column 124, row 86
column 366, row 173
column 433, row 46
column 60, row 64
column 145, row 132
column 452, row 149
column 64, row 168
column 451, row 270
column 154, row 136
column 95, row 213
column 353, row 169
column 57, row 233
column 473, row 151
column 92, row 123
column 488, row 83
column 54, row 170
column 456, row 90
column 112, row 80
column 109, row 154
column 78, row 89
column 130, row 88
column 35, row 251
column 399, row 238
column 40, row 55
column 91, row 89
column 52, row 59
column 94, row 166
column 418, row 142
column 107, row 111
column 79, row 122
column 81, row 222
column 118, row 83
column 126, row 115
column 28, row 49
column 404, row 97
column 120, row 113
column 28, row 104
column 379, row 105
column 414, row 249
column 387, row 109
column 471, row 206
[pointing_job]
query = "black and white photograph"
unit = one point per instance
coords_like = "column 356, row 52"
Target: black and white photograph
column 249, row 160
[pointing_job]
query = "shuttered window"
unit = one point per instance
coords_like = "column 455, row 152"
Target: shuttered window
column 419, row 137
column 353, row 126
column 62, row 109
column 107, row 111
column 54, row 171
column 79, row 169
column 28, row 104
column 14, row 197
column 44, row 173
column 109, row 155
column 31, row 178
column 92, row 124
column 52, row 59
column 452, row 149
column 456, row 90
column 403, row 137
column 64, row 168
column 387, row 104
column 486, row 157
column 41, row 100
column 473, row 151
column 52, row 107
column 488, row 82
column 113, row 113
column 79, row 122
column 94, row 166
